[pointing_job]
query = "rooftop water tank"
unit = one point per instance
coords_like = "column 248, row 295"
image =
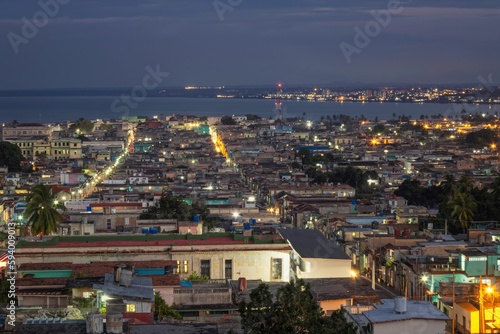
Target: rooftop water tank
column 242, row 284
column 400, row 305
column 114, row 323
column 94, row 323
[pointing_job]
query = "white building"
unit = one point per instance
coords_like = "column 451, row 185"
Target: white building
column 314, row 256
column 396, row 316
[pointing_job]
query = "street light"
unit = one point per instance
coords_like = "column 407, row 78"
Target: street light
column 424, row 280
column 482, row 291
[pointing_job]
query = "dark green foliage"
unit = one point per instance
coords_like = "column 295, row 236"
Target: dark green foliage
column 162, row 311
column 481, row 138
column 83, row 126
column 195, row 276
column 227, row 120
column 83, row 138
column 105, row 126
column 293, row 311
column 458, row 201
column 41, row 210
column 172, row 207
column 168, row 207
column 252, row 117
column 354, row 177
column 10, row 156
column 305, row 154
column 199, row 208
column 379, row 128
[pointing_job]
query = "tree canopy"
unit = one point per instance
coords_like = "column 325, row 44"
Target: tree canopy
column 173, row 207
column 162, row 311
column 10, row 156
column 481, row 138
column 228, row 120
column 41, row 210
column 82, row 126
column 294, row 310
column 459, row 201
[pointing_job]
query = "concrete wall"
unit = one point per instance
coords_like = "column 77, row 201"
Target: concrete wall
column 166, row 292
column 326, row 268
column 421, row 326
column 252, row 265
column 252, row 261
column 471, row 315
column 333, row 305
column 201, row 295
column 43, row 301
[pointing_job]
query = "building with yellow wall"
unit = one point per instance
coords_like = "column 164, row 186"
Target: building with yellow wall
column 65, row 148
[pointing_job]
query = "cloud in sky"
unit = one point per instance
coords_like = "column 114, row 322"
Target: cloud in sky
column 97, row 43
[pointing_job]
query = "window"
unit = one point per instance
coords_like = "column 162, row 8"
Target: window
column 205, row 268
column 76, row 232
column 277, row 269
column 182, row 267
column 130, row 307
column 109, row 226
column 228, row 269
column 127, row 221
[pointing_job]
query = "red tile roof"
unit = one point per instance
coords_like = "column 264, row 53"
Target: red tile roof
column 96, row 269
column 166, row 280
column 139, row 318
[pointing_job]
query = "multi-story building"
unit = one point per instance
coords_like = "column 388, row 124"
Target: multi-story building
column 25, row 130
column 58, row 149
column 66, row 148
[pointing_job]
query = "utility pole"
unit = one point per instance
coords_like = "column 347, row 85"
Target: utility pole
column 481, row 306
column 453, row 304
column 373, row 273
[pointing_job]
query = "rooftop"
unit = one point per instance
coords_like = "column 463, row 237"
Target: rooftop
column 415, row 309
column 132, row 240
column 313, row 244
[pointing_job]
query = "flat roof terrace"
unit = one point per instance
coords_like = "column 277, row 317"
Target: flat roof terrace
column 151, row 240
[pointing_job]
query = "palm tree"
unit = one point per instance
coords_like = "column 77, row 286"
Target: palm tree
column 41, row 210
column 449, row 186
column 463, row 205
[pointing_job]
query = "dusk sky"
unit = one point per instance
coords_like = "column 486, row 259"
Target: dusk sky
column 109, row 43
